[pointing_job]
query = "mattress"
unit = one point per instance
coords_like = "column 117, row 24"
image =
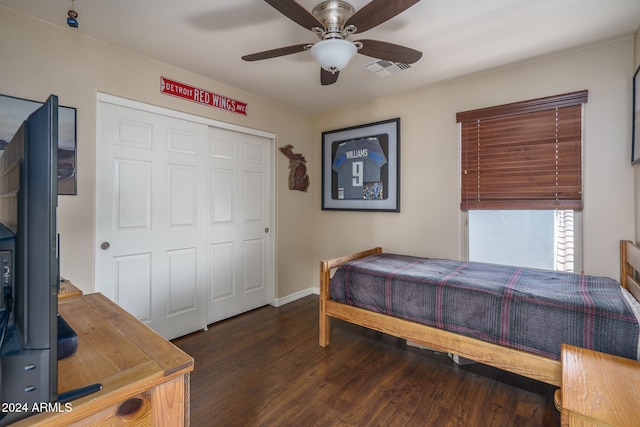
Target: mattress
column 526, row 309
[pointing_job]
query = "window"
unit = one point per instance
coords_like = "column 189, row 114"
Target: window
column 521, row 181
column 541, row 238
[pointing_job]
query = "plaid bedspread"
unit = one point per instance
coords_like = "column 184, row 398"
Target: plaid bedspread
column 526, row 309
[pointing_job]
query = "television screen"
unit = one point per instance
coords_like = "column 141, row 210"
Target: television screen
column 29, row 261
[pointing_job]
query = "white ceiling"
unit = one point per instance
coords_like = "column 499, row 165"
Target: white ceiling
column 457, row 38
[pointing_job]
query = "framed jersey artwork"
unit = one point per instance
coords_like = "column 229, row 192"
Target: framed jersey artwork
column 361, row 167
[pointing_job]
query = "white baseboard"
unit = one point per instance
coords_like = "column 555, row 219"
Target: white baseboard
column 295, row 296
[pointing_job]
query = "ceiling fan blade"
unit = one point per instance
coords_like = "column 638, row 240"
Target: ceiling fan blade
column 273, row 53
column 296, row 13
column 328, row 78
column 389, row 51
column 376, row 12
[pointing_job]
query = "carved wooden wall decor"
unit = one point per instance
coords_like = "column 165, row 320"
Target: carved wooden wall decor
column 298, row 177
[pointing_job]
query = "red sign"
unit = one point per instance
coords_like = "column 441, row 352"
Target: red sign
column 201, row 96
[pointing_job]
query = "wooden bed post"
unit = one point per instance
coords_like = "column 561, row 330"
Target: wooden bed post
column 624, row 267
column 629, row 265
column 325, row 320
column 325, row 295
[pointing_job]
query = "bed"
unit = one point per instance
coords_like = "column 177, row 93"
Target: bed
column 495, row 349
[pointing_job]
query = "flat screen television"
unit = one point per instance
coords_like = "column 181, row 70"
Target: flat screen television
column 33, row 336
column 30, row 268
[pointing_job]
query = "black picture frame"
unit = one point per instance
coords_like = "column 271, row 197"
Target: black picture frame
column 361, row 167
column 635, row 129
column 13, row 111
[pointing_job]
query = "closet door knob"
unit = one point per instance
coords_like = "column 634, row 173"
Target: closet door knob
column 104, row 246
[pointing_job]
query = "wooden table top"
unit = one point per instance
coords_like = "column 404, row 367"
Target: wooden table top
column 68, row 289
column 600, row 387
column 114, row 349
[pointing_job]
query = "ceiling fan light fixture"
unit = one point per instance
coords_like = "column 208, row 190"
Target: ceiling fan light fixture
column 333, row 54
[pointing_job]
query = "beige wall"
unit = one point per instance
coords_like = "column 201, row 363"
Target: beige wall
column 429, row 221
column 38, row 59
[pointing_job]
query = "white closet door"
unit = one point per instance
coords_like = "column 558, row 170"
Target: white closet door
column 151, row 217
column 239, row 220
column 183, row 211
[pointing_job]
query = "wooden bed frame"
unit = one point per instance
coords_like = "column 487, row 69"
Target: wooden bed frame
column 519, row 362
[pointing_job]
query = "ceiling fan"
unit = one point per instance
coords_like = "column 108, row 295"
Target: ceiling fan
column 333, row 21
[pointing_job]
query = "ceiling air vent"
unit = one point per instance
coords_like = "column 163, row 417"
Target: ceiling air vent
column 386, row 68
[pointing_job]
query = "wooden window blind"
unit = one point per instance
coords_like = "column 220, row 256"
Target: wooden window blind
column 525, row 155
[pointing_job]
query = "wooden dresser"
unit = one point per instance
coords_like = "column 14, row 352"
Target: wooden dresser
column 599, row 389
column 145, row 378
column 68, row 289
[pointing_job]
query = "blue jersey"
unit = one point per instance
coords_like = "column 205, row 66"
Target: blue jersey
column 357, row 163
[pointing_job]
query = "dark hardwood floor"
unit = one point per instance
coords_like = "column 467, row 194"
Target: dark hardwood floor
column 265, row 368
